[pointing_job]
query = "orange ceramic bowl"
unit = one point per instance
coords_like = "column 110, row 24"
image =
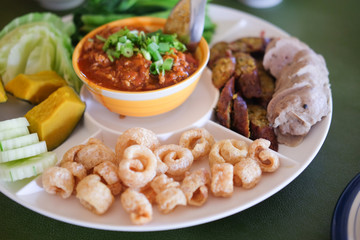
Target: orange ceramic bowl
column 143, row 103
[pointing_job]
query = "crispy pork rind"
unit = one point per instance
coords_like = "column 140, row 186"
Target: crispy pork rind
column 247, row 173
column 177, row 159
column 232, row 163
column 267, row 159
column 59, row 181
column 108, row 172
column 234, row 150
column 135, row 136
column 138, row 166
column 149, row 192
column 229, row 151
column 70, row 154
column 90, row 154
column 168, row 193
column 161, row 167
column 169, row 199
column 222, row 179
column 195, row 187
column 137, row 205
column 162, row 182
column 94, row 195
column 199, row 141
column 76, row 169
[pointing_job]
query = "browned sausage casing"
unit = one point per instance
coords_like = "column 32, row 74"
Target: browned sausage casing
column 247, row 75
column 222, row 71
column 259, row 125
column 240, row 119
column 224, row 105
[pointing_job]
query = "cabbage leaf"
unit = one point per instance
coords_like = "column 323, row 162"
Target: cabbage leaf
column 37, row 42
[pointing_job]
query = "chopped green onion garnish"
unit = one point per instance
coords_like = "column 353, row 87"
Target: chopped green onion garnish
column 164, row 47
column 100, row 38
column 152, row 46
column 155, row 67
column 110, row 57
column 122, row 39
column 118, row 46
column 167, row 38
column 156, row 55
column 179, row 46
column 167, row 65
column 146, row 54
column 116, row 54
column 127, row 50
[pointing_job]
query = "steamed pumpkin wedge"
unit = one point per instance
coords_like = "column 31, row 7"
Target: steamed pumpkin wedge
column 56, row 117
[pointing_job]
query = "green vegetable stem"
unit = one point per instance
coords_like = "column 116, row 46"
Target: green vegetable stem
column 95, row 13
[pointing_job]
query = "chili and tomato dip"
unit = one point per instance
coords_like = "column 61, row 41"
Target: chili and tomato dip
column 132, row 59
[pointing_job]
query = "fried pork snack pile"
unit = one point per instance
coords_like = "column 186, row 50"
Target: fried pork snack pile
column 245, row 87
column 145, row 173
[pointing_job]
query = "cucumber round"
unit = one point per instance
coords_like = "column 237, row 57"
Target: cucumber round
column 27, row 167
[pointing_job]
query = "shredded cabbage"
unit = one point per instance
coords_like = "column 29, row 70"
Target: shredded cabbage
column 37, row 42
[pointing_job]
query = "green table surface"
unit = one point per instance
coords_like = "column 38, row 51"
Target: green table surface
column 304, row 208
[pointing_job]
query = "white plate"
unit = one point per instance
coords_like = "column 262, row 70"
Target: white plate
column 196, row 111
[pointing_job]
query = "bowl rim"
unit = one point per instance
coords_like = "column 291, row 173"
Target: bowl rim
column 142, row 19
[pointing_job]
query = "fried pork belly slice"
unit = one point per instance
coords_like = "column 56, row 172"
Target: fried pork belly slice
column 240, row 118
column 224, row 104
column 280, row 52
column 247, row 75
column 260, row 126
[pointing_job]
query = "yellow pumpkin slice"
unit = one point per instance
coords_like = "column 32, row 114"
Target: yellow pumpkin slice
column 55, row 118
column 35, row 87
column 3, row 97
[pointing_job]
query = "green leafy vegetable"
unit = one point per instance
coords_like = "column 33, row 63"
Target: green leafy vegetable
column 37, row 42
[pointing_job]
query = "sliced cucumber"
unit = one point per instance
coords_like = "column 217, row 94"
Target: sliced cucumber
column 19, row 142
column 13, row 123
column 14, row 132
column 23, row 152
column 27, row 167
